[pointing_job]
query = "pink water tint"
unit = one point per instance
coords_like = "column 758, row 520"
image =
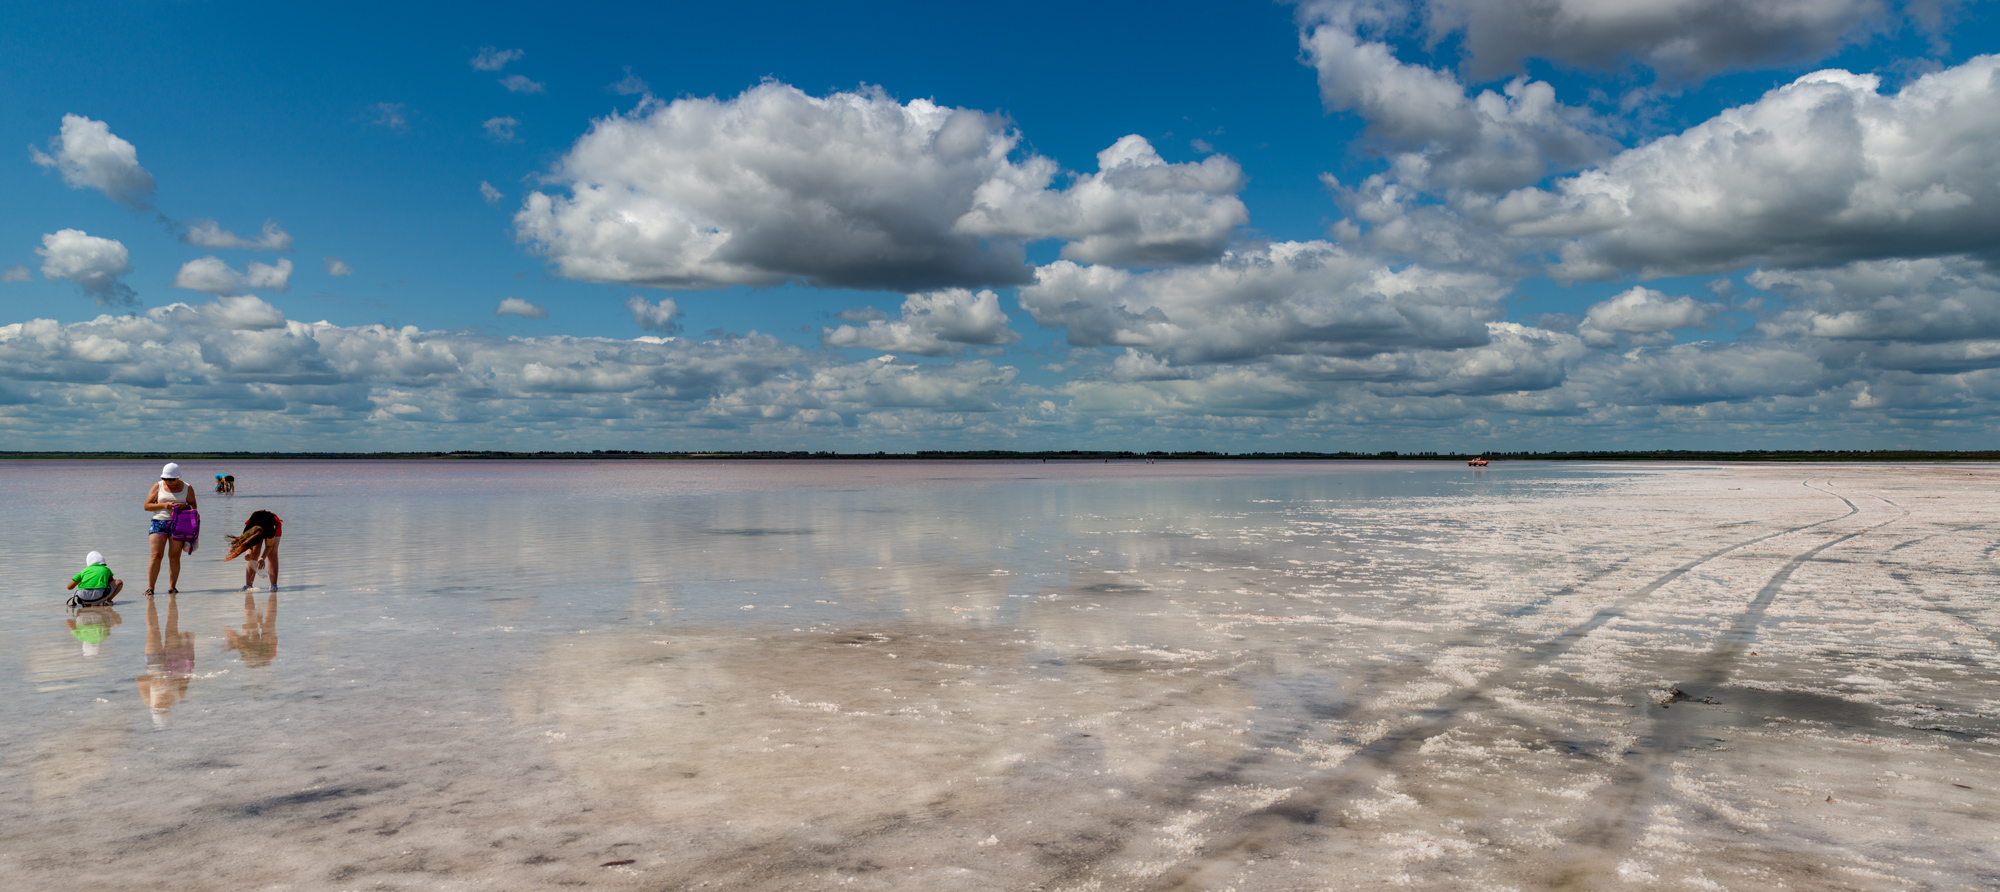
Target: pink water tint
column 997, row 675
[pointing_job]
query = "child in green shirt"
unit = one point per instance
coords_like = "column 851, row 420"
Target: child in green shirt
column 95, row 585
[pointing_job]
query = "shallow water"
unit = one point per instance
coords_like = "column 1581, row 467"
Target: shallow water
column 1013, row 675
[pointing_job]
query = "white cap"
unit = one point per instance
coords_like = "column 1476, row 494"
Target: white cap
column 92, row 559
column 171, row 472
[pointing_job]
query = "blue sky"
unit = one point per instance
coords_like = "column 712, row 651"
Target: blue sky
column 1355, row 225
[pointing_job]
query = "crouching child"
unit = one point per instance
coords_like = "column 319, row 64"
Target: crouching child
column 95, row 586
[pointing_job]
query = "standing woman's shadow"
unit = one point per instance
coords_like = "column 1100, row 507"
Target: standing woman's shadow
column 257, row 644
column 169, row 661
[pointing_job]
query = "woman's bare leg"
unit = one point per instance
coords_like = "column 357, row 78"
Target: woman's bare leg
column 271, row 562
column 159, row 545
column 173, row 565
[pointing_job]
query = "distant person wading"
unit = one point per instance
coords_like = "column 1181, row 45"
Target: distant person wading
column 169, row 494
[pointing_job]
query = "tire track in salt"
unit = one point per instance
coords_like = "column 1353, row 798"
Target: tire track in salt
column 1361, row 771
column 1637, row 786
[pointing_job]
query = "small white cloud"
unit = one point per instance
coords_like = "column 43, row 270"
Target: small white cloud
column 338, row 267
column 630, row 86
column 515, row 306
column 494, row 58
column 210, row 234
column 491, row 194
column 938, row 323
column 390, row 115
column 270, row 276
column 16, row 273
column 93, row 263
column 1645, row 313
column 516, row 83
column 501, row 129
column 651, row 316
column 210, row 275
column 90, row 156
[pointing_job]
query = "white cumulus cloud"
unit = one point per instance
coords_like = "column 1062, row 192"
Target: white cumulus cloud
column 658, row 316
column 1924, row 301
column 269, row 276
column 515, row 306
column 16, row 273
column 850, row 190
column 208, row 274
column 1443, row 137
column 90, row 156
column 938, row 323
column 93, row 263
column 1137, row 208
column 1819, row 172
column 210, row 234
column 337, row 267
column 1283, row 298
column 306, row 382
column 1644, row 312
column 489, row 193
column 212, row 276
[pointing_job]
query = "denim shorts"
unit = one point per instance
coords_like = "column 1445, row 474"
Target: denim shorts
column 160, row 526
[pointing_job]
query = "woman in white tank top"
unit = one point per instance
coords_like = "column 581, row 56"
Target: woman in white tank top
column 169, row 493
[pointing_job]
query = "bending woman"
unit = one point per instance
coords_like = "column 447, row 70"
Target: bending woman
column 169, row 493
column 258, row 544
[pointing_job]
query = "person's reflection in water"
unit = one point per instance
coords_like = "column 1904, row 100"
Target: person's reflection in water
column 257, row 644
column 91, row 625
column 169, row 661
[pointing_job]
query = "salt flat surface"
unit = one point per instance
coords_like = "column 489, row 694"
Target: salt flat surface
column 1015, row 676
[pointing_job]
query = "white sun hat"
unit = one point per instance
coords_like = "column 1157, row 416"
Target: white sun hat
column 92, row 559
column 171, row 472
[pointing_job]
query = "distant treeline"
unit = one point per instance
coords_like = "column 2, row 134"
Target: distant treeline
column 1784, row 455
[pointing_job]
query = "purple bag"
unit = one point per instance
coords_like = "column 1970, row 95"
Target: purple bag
column 186, row 525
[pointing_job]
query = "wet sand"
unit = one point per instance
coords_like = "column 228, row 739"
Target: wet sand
column 1037, row 677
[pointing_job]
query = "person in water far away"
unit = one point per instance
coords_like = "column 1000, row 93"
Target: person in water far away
column 258, row 544
column 97, row 584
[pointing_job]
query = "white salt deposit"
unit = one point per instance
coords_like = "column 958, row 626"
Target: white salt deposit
column 1012, row 676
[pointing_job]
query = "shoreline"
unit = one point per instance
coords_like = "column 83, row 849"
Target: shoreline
column 1823, row 456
